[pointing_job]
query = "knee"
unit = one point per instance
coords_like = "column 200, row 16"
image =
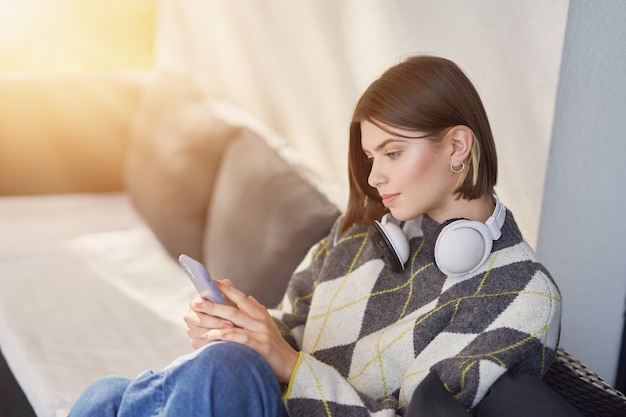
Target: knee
column 227, row 350
column 231, row 357
column 104, row 395
column 231, row 361
column 238, row 372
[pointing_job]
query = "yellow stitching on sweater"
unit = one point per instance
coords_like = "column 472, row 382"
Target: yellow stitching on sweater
column 368, row 296
column 406, row 378
column 343, row 282
column 381, row 292
column 287, row 392
column 412, row 276
column 545, row 336
column 322, row 249
column 471, row 360
column 465, row 371
column 437, row 309
column 480, row 286
column 298, row 300
column 318, row 385
column 489, row 268
column 390, row 290
column 380, row 365
column 493, row 354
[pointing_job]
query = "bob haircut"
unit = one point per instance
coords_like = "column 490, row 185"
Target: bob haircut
column 430, row 95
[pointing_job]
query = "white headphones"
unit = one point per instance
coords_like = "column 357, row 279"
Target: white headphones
column 461, row 245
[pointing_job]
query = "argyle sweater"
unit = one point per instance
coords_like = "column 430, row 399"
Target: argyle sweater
column 368, row 336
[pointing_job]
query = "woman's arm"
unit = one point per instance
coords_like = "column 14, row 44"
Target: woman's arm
column 245, row 321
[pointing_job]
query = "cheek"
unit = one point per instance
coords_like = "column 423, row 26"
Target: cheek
column 428, row 178
column 423, row 167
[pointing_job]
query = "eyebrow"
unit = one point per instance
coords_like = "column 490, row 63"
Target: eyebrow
column 384, row 143
column 401, row 139
column 387, row 141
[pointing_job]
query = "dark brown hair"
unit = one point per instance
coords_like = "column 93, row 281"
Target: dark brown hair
column 430, row 95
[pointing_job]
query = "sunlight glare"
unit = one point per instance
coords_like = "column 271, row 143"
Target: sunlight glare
column 76, row 34
column 16, row 19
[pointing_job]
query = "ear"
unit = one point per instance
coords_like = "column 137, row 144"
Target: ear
column 462, row 139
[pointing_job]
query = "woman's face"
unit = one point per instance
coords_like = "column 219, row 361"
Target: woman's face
column 411, row 174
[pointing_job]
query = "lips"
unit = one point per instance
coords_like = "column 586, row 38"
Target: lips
column 388, row 199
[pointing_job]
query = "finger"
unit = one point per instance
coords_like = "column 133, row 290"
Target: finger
column 279, row 354
column 243, row 302
column 225, row 281
column 197, row 343
column 207, row 323
column 257, row 304
column 202, row 314
column 196, row 304
column 201, row 306
column 229, row 290
column 205, row 339
column 213, row 335
column 196, row 333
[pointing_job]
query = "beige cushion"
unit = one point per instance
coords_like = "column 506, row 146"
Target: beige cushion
column 264, row 217
column 174, row 150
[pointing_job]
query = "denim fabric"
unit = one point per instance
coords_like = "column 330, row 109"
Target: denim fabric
column 220, row 379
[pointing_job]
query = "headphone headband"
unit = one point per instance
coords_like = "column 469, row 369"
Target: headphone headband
column 496, row 220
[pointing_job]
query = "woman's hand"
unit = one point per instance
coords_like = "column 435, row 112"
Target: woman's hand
column 200, row 319
column 245, row 321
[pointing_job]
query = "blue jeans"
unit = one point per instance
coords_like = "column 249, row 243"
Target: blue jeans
column 221, row 379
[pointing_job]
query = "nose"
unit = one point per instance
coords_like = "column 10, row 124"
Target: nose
column 376, row 176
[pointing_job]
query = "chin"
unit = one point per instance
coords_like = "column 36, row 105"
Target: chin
column 403, row 215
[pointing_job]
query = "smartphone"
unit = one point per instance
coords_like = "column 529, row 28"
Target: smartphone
column 201, row 279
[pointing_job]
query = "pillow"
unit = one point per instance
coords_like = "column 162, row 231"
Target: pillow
column 521, row 395
column 431, row 398
column 264, row 217
column 175, row 146
column 512, row 395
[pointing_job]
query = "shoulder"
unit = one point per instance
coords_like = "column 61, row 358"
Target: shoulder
column 514, row 251
column 334, row 243
column 337, row 236
column 515, row 266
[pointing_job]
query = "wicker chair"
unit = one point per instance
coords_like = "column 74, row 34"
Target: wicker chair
column 583, row 388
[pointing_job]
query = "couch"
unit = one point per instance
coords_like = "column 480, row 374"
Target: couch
column 104, row 181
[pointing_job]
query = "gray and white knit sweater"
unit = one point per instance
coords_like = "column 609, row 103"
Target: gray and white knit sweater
column 369, row 336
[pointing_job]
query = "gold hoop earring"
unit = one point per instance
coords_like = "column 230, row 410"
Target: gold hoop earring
column 457, row 171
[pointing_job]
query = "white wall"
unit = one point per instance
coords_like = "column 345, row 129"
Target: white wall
column 582, row 238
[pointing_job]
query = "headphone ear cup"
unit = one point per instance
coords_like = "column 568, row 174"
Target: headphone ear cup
column 462, row 246
column 437, row 233
column 391, row 244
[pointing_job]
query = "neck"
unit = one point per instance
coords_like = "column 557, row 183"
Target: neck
column 479, row 209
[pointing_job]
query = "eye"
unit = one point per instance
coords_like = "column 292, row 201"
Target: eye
column 393, row 154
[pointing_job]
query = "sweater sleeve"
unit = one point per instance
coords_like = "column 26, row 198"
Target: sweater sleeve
column 317, row 389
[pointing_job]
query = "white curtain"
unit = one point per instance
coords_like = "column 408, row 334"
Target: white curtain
column 301, row 65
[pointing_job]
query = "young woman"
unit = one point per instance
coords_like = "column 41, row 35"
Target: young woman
column 443, row 289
